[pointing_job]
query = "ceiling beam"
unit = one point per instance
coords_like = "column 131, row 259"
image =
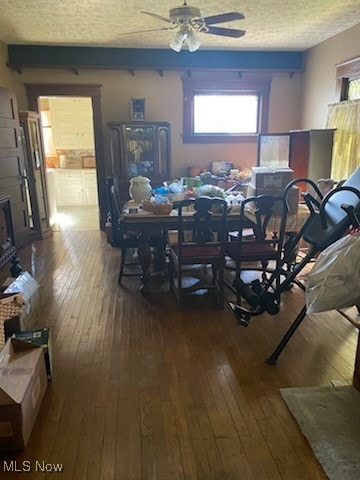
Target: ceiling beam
column 40, row 56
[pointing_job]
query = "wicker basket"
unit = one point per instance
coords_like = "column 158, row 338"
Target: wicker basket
column 147, row 205
column 162, row 208
column 11, row 305
column 157, row 208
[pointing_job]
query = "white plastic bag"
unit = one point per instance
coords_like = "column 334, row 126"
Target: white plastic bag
column 334, row 281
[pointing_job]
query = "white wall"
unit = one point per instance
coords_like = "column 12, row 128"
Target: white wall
column 320, row 74
column 164, row 102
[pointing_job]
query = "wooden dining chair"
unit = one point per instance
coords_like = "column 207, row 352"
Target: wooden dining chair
column 201, row 238
column 261, row 249
column 130, row 240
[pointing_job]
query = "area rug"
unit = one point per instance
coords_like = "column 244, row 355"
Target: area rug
column 329, row 417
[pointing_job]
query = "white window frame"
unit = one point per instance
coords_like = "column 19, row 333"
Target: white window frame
column 192, row 88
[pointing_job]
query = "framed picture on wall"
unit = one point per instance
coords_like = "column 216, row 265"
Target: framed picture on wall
column 138, row 108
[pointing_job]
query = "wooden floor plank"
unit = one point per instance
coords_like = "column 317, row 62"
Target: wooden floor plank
column 142, row 391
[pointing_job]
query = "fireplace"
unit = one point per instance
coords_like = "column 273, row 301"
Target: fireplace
column 7, row 241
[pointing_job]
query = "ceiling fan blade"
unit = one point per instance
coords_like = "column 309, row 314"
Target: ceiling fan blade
column 223, row 17
column 164, row 19
column 226, row 32
column 145, row 31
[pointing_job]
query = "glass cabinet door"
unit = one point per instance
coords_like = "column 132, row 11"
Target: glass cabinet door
column 38, row 174
column 273, row 150
column 140, row 150
column 34, row 175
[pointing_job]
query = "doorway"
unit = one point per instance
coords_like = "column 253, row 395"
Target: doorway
column 68, row 134
column 92, row 92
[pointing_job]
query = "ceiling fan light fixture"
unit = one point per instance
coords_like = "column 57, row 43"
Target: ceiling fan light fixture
column 193, row 41
column 185, row 36
column 178, row 40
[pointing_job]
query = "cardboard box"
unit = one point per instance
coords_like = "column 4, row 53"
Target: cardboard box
column 29, row 287
column 23, row 383
column 265, row 177
column 42, row 338
column 293, row 197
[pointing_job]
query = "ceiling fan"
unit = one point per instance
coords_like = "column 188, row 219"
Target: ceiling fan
column 187, row 20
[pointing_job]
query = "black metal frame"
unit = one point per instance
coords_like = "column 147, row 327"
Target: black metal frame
column 329, row 220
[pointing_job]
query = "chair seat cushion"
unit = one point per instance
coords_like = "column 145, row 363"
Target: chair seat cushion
column 250, row 249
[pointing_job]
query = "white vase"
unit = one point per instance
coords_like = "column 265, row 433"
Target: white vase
column 140, row 188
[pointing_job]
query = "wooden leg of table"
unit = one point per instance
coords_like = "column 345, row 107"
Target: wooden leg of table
column 356, row 378
column 144, row 252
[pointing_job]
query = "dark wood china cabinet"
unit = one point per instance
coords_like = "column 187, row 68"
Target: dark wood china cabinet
column 34, row 175
column 138, row 148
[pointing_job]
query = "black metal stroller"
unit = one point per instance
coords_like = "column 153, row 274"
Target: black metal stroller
column 330, row 218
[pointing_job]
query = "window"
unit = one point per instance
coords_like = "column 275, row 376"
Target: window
column 225, row 114
column 47, row 131
column 354, row 89
column 343, row 116
column 348, row 80
column 219, row 112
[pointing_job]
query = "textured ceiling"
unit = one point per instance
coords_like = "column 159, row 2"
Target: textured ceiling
column 269, row 24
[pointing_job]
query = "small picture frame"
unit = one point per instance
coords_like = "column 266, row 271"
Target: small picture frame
column 88, row 161
column 138, row 108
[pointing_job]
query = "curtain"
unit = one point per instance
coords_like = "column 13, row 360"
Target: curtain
column 345, row 117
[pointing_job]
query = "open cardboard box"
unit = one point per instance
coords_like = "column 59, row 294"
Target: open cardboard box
column 42, row 337
column 23, row 382
column 30, row 289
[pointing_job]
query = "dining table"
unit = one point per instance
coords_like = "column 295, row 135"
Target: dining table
column 136, row 220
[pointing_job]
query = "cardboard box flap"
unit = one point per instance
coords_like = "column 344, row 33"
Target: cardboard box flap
column 40, row 336
column 15, row 345
column 18, row 360
column 25, row 284
column 5, row 398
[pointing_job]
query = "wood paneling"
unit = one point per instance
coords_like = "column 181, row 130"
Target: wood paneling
column 142, row 391
column 12, row 165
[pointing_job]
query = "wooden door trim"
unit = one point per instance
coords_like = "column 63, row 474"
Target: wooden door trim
column 36, row 90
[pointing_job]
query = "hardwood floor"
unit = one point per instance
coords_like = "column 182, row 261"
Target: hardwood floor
column 77, row 217
column 142, row 391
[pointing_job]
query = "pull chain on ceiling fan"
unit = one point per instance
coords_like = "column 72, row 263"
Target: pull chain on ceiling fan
column 189, row 21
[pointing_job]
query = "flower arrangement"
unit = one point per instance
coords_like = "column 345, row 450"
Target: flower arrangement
column 210, row 191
